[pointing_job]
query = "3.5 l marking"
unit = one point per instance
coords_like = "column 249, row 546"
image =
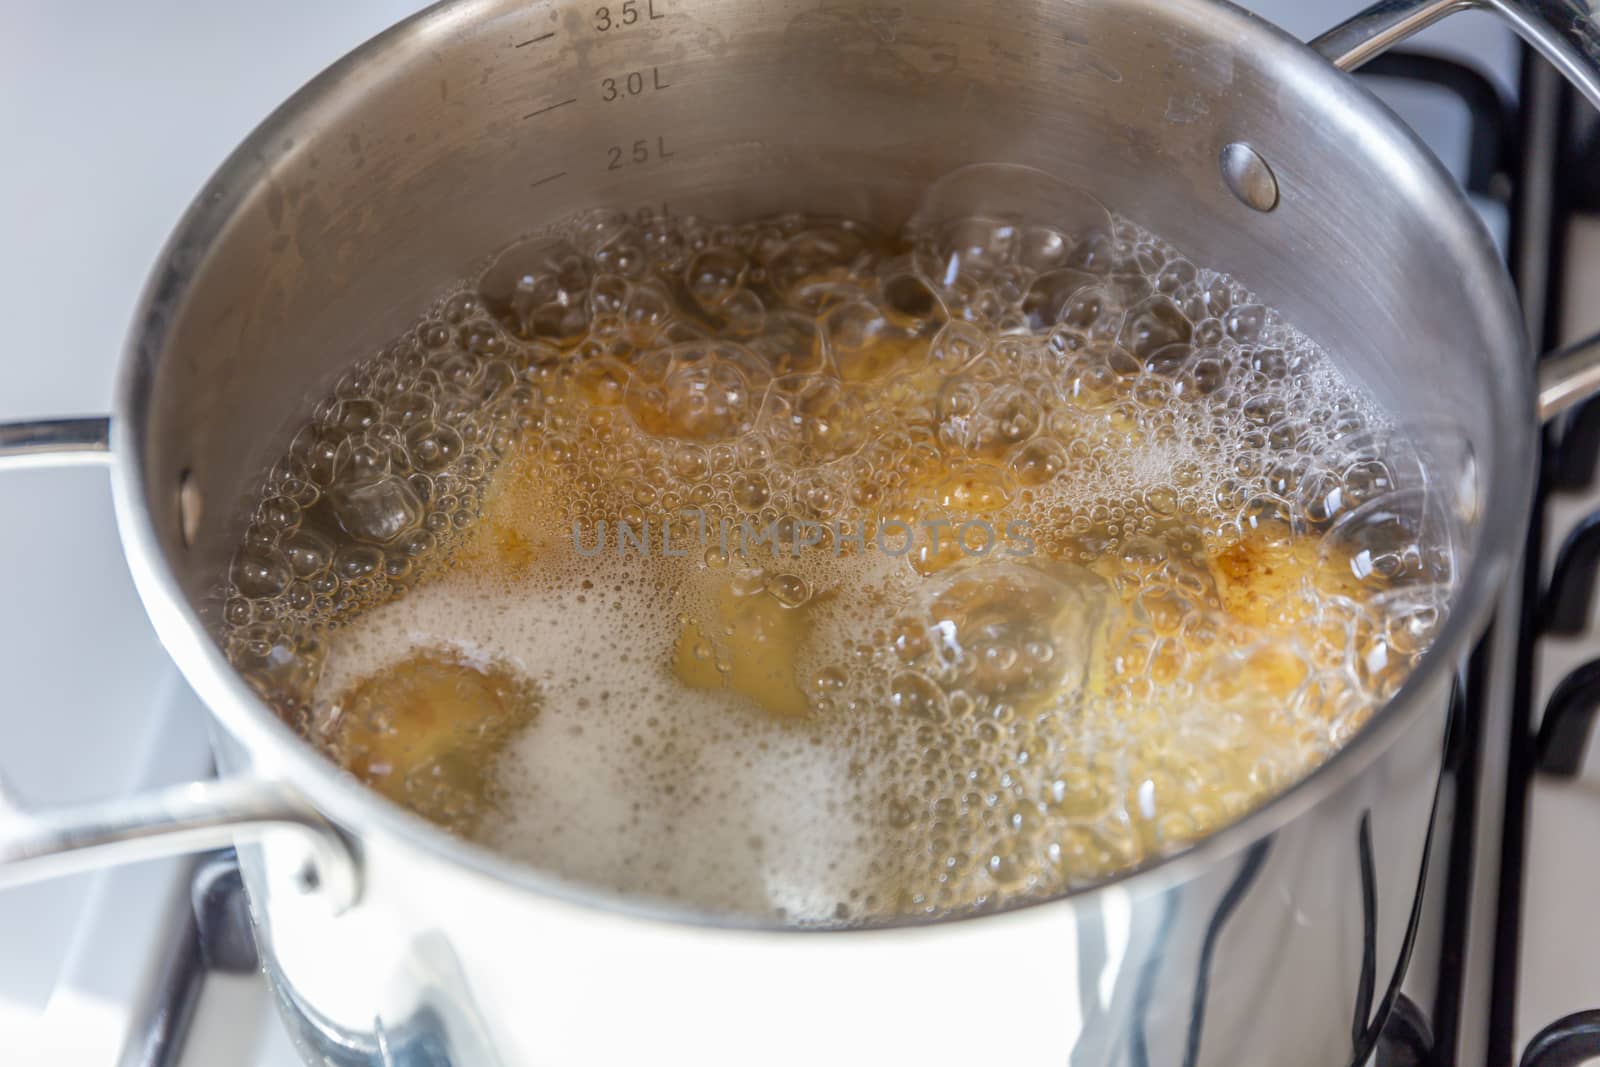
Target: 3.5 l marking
column 627, row 14
column 633, row 83
column 637, row 154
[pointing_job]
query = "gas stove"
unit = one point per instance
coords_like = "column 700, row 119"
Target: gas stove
column 118, row 113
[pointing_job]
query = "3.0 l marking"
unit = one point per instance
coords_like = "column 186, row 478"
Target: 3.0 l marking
column 633, row 83
column 637, row 154
column 629, row 12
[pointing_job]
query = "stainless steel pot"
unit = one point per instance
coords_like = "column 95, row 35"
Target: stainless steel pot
column 1278, row 940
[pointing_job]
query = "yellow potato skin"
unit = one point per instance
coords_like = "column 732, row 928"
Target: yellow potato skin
column 427, row 731
column 750, row 646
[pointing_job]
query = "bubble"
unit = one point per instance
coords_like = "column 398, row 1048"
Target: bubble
column 790, row 590
column 354, row 416
column 409, row 407
column 693, row 392
column 831, row 678
column 1153, row 325
column 1047, row 297
column 261, row 572
column 1006, row 867
column 1092, row 311
column 1006, row 418
column 916, row 695
column 956, row 346
column 1039, row 461
column 1008, row 631
column 538, row 290
column 1244, row 324
column 815, row 418
column 279, row 513
column 715, row 275
column 751, row 491
column 976, row 490
column 743, row 314
column 865, row 343
column 379, row 510
column 909, row 297
column 1392, row 539
column 814, row 264
column 789, row 343
column 308, row 553
column 1271, row 519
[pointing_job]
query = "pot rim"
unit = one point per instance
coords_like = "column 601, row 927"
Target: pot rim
column 357, row 810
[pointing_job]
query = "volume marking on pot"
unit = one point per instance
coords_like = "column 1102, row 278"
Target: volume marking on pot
column 551, row 107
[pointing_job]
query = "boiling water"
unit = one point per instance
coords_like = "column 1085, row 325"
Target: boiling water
column 803, row 570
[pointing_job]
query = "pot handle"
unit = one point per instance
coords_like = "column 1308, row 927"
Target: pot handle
column 195, row 817
column 1565, row 32
column 55, row 443
column 1568, row 376
column 173, row 821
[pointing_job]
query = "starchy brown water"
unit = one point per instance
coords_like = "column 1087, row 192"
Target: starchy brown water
column 805, row 570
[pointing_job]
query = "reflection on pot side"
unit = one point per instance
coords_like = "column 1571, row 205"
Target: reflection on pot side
column 1232, row 558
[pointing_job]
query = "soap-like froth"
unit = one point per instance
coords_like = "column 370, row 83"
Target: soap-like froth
column 1095, row 554
column 619, row 782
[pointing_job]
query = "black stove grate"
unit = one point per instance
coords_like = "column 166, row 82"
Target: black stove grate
column 1538, row 154
column 1569, row 718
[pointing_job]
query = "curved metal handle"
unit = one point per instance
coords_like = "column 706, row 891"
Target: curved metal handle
column 1565, row 32
column 1568, row 376
column 167, row 822
column 55, row 443
column 196, row 817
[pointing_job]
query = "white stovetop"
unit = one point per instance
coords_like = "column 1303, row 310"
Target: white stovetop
column 114, row 115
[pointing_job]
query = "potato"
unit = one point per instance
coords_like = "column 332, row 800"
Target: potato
column 751, row 645
column 427, row 731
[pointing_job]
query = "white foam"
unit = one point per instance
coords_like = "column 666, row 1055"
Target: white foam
column 626, row 779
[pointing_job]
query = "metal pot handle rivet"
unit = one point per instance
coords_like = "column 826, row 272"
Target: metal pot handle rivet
column 1248, row 177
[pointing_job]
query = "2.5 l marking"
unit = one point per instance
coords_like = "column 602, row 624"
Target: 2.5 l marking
column 627, row 14
column 633, row 83
column 640, row 152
